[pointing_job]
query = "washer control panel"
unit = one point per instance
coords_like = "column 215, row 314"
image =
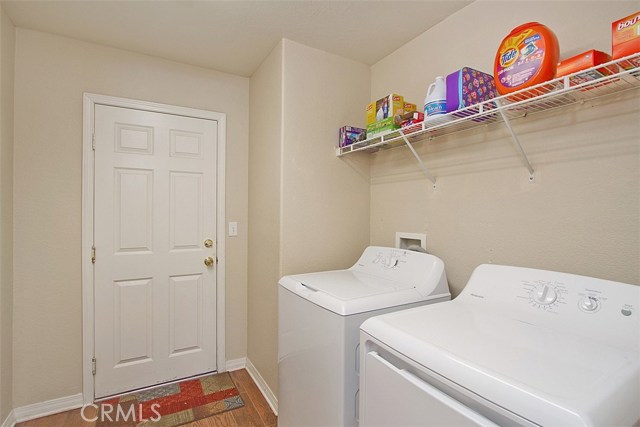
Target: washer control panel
column 390, row 258
column 407, row 268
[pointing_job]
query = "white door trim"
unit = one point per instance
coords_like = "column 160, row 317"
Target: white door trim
column 88, row 338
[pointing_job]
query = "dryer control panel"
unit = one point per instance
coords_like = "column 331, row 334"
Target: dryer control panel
column 552, row 295
column 545, row 295
column 586, row 305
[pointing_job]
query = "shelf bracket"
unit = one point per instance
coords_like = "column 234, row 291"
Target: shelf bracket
column 424, row 168
column 516, row 143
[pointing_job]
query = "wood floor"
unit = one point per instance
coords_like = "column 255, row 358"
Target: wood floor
column 255, row 412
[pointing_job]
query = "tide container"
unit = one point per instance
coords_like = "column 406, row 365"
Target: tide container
column 526, row 57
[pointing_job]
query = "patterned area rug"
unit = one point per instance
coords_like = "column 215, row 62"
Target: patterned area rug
column 171, row 405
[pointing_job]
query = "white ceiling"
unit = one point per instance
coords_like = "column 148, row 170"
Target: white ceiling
column 234, row 36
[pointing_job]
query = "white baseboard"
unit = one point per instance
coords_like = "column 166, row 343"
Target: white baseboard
column 10, row 421
column 262, row 386
column 42, row 409
column 235, row 364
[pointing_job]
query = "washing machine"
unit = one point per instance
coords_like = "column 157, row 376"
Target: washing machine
column 319, row 319
column 518, row 347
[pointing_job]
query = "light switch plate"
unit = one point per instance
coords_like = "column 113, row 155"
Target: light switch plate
column 233, row 229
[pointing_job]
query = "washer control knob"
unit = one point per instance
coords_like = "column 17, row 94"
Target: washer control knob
column 545, row 295
column 626, row 311
column 589, row 303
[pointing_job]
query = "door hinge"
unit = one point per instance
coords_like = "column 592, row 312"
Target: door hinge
column 93, row 254
column 93, row 142
column 93, row 366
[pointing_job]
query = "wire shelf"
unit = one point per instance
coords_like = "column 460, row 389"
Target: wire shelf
column 557, row 93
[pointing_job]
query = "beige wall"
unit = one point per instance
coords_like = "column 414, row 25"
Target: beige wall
column 309, row 209
column 582, row 213
column 51, row 75
column 7, row 43
column 325, row 199
column 265, row 150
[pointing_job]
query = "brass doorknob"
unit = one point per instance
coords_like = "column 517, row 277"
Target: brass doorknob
column 208, row 243
column 208, row 261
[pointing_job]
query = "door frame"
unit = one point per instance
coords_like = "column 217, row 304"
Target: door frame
column 88, row 166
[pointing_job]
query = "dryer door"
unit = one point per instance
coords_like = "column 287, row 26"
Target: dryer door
column 396, row 397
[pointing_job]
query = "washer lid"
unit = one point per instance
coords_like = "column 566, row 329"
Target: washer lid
column 347, row 292
column 346, row 285
column 539, row 373
column 381, row 278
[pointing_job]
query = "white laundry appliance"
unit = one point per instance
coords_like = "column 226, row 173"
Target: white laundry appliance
column 319, row 319
column 518, row 347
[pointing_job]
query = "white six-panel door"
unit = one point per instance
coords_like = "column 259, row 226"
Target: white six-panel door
column 155, row 299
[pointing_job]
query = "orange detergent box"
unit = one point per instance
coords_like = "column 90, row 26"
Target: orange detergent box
column 585, row 60
column 625, row 39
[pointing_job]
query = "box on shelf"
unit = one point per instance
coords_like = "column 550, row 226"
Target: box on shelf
column 408, row 119
column 467, row 87
column 410, row 122
column 348, row 135
column 384, row 108
column 625, row 39
column 381, row 126
column 409, row 107
column 585, row 60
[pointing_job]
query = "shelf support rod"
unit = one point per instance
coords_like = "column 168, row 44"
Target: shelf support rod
column 424, row 168
column 516, row 142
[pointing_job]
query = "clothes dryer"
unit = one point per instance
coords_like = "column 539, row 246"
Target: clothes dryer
column 518, row 347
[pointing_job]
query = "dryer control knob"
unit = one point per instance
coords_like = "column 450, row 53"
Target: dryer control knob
column 545, row 295
column 589, row 303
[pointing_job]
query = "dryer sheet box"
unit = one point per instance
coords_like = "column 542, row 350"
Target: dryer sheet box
column 625, row 39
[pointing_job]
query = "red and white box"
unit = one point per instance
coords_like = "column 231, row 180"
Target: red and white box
column 583, row 61
column 625, row 39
